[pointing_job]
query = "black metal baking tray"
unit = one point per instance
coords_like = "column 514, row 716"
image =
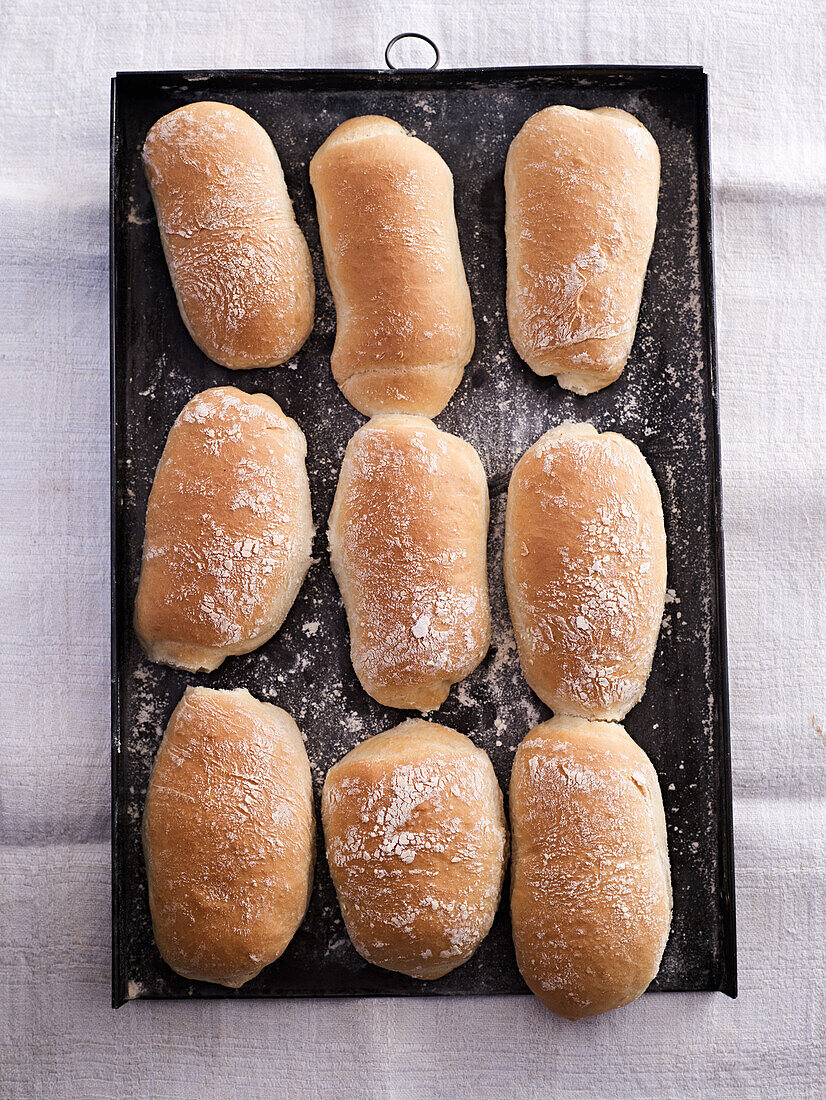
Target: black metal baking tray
column 665, row 401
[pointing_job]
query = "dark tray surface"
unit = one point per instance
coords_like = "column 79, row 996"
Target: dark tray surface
column 665, row 401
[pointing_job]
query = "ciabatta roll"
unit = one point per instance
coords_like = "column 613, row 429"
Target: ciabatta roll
column 585, row 570
column 408, row 546
column 239, row 263
column 229, row 531
column 228, row 836
column 404, row 323
column 581, row 208
column 590, row 878
column 417, row 846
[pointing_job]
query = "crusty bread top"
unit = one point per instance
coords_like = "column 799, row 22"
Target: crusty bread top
column 238, row 260
column 417, row 845
column 229, row 835
column 228, row 527
column 360, row 128
column 582, row 192
column 408, row 533
column 585, row 569
column 211, row 166
column 590, row 882
column 404, row 323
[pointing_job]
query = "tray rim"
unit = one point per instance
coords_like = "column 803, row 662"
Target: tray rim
column 692, row 75
column 118, row 984
column 726, row 829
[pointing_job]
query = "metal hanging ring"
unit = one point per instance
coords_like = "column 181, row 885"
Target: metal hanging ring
column 412, row 68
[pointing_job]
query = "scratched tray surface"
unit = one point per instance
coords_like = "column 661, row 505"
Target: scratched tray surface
column 664, row 401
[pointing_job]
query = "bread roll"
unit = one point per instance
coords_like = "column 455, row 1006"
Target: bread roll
column 585, row 570
column 581, row 208
column 417, row 845
column 239, row 263
column 228, row 836
column 590, row 881
column 229, row 531
column 408, row 546
column 391, row 249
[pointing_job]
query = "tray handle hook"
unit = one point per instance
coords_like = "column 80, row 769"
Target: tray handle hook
column 412, row 68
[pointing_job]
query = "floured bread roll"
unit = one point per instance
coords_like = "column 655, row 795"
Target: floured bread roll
column 228, row 836
column 239, row 263
column 404, row 320
column 590, row 879
column 417, row 845
column 408, row 546
column 229, row 531
column 581, row 193
column 585, row 570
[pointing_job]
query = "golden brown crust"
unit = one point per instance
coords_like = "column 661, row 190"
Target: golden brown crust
column 590, row 879
column 238, row 261
column 417, row 845
column 404, row 322
column 408, row 546
column 229, row 531
column 229, row 836
column 581, row 209
column 585, row 570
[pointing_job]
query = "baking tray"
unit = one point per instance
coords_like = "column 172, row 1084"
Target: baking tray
column 665, row 401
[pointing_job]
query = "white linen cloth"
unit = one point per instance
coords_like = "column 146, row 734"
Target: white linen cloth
column 58, row 1035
